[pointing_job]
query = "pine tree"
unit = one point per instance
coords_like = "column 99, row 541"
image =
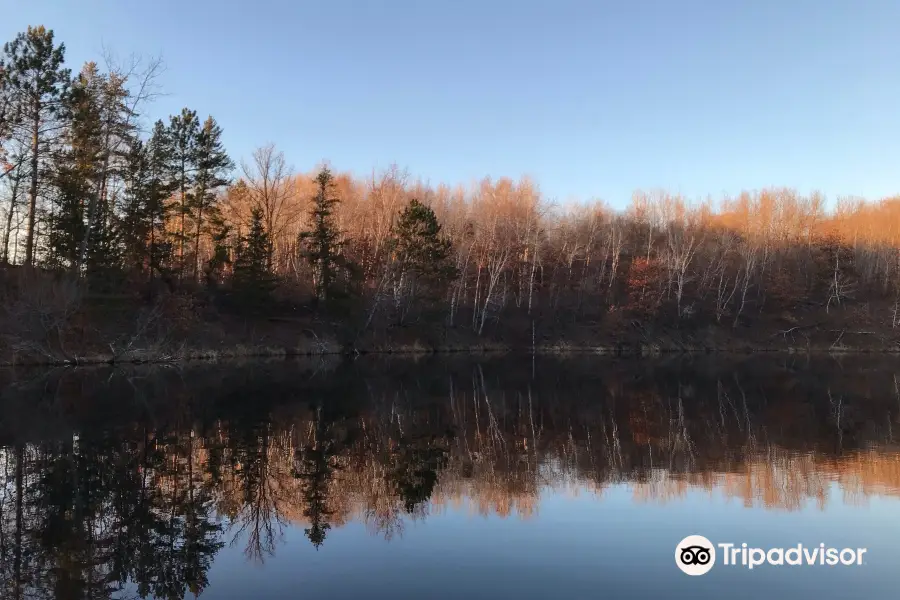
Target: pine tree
column 75, row 171
column 252, row 280
column 184, row 130
column 103, row 263
column 149, row 183
column 6, row 118
column 315, row 471
column 135, row 222
column 418, row 245
column 65, row 221
column 321, row 245
column 159, row 186
column 421, row 254
column 213, row 166
column 116, row 132
column 37, row 87
column 221, row 255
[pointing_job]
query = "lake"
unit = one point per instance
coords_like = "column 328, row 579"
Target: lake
column 451, row 477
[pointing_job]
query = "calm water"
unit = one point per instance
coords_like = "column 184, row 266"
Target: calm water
column 446, row 479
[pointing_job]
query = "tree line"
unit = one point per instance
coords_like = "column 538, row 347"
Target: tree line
column 86, row 191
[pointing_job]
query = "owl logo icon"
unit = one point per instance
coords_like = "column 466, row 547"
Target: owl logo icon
column 695, row 555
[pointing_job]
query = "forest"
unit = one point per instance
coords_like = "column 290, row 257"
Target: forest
column 130, row 240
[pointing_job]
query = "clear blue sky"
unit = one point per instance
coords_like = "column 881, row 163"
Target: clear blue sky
column 592, row 98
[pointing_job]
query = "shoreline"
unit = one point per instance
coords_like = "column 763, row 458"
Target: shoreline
column 188, row 355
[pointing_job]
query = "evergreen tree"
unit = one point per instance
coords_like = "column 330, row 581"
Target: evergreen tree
column 221, row 257
column 37, row 86
column 421, row 255
column 184, row 129
column 417, row 466
column 103, row 263
column 65, row 221
column 159, row 188
column 148, row 185
column 7, row 116
column 135, row 221
column 321, row 245
column 315, row 470
column 213, row 166
column 317, row 476
column 252, row 280
column 76, row 170
column 116, row 132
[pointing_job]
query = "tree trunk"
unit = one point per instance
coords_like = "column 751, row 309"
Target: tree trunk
column 197, row 243
column 32, row 193
column 531, row 279
column 150, row 251
column 183, row 211
column 12, row 206
column 20, row 519
column 92, row 207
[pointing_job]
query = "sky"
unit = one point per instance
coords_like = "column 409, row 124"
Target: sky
column 590, row 98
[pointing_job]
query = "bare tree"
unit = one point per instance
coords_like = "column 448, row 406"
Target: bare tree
column 14, row 193
column 119, row 106
column 269, row 180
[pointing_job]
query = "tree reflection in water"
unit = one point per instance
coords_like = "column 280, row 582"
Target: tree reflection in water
column 135, row 478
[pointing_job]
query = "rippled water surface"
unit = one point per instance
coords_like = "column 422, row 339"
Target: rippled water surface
column 509, row 477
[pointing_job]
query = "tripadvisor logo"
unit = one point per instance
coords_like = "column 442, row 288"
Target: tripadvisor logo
column 696, row 555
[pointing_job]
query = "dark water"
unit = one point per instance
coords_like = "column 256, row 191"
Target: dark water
column 446, row 478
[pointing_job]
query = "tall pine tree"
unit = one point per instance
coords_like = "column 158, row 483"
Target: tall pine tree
column 149, row 184
column 37, row 86
column 135, row 221
column 115, row 113
column 322, row 243
column 184, row 129
column 213, row 166
column 75, row 171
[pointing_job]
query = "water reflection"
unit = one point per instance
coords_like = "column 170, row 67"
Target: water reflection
column 131, row 481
